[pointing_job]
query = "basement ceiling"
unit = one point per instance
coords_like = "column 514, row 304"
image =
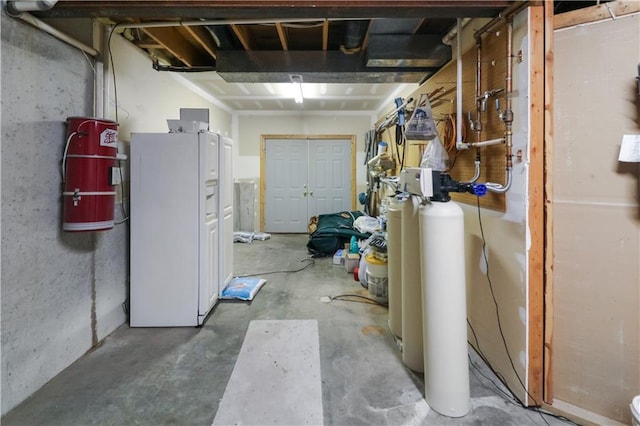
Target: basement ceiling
column 351, row 55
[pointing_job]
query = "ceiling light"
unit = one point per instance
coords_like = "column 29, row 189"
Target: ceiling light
column 270, row 88
column 296, row 81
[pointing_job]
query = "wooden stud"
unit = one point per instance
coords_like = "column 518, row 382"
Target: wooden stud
column 536, row 263
column 282, row 35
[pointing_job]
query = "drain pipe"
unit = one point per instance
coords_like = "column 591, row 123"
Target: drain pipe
column 20, row 9
column 507, row 116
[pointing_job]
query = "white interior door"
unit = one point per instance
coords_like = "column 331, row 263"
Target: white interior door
column 286, row 185
column 329, row 176
column 304, row 178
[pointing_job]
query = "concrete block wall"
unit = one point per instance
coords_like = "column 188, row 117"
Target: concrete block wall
column 61, row 292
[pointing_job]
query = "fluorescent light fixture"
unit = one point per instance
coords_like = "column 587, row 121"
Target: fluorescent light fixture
column 270, row 88
column 296, row 81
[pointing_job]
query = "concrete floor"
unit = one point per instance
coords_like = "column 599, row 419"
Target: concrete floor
column 178, row 375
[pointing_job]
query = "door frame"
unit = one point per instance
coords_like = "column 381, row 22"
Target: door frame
column 311, row 138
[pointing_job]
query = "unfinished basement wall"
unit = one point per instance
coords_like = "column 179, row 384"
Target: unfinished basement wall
column 504, row 216
column 146, row 98
column 61, row 292
column 595, row 346
column 251, row 127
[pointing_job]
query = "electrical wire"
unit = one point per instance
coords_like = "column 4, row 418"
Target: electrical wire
column 366, row 300
column 306, row 259
column 504, row 341
column 125, row 215
column 113, row 71
column 64, row 155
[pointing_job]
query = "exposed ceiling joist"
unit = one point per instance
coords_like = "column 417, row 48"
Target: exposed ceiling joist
column 243, row 35
column 282, row 35
column 171, row 39
column 204, row 39
column 325, row 34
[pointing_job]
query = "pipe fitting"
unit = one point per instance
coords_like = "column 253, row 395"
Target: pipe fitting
column 16, row 8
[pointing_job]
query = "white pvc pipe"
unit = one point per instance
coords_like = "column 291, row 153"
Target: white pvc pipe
column 30, row 19
column 213, row 22
column 446, row 374
column 412, row 315
column 394, row 260
column 497, row 141
column 17, row 7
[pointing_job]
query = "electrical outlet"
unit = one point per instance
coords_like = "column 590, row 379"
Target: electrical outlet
column 115, row 176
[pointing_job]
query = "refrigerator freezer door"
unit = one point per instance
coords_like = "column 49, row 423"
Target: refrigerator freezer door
column 165, row 230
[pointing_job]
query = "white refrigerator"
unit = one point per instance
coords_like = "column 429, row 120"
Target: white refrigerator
column 181, row 226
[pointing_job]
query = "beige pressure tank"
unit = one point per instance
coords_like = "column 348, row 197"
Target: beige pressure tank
column 412, row 350
column 394, row 251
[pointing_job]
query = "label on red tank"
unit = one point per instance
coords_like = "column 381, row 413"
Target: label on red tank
column 109, row 137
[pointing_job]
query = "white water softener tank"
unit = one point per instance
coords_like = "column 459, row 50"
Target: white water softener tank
column 446, row 374
column 412, row 349
column 394, row 261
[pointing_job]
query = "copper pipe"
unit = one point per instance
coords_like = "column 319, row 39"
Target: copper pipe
column 508, row 114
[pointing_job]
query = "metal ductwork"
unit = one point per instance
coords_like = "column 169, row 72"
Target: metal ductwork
column 354, row 33
column 409, row 51
column 315, row 67
column 224, row 37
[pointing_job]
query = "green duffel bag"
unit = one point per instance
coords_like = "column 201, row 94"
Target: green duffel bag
column 333, row 231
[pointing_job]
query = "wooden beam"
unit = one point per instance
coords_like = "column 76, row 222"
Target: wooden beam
column 148, row 44
column 536, row 263
column 282, row 35
column 548, row 205
column 609, row 10
column 417, row 27
column 243, row 35
column 325, row 35
column 365, row 40
column 200, row 35
column 171, row 39
column 275, row 9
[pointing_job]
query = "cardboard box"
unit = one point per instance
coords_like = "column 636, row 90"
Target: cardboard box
column 338, row 258
column 351, row 261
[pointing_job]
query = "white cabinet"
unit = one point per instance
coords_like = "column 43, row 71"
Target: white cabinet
column 209, row 289
column 178, row 231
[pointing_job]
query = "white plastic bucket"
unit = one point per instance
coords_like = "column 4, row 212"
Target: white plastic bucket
column 635, row 411
column 377, row 279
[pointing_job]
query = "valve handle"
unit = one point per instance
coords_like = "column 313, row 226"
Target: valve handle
column 480, row 189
